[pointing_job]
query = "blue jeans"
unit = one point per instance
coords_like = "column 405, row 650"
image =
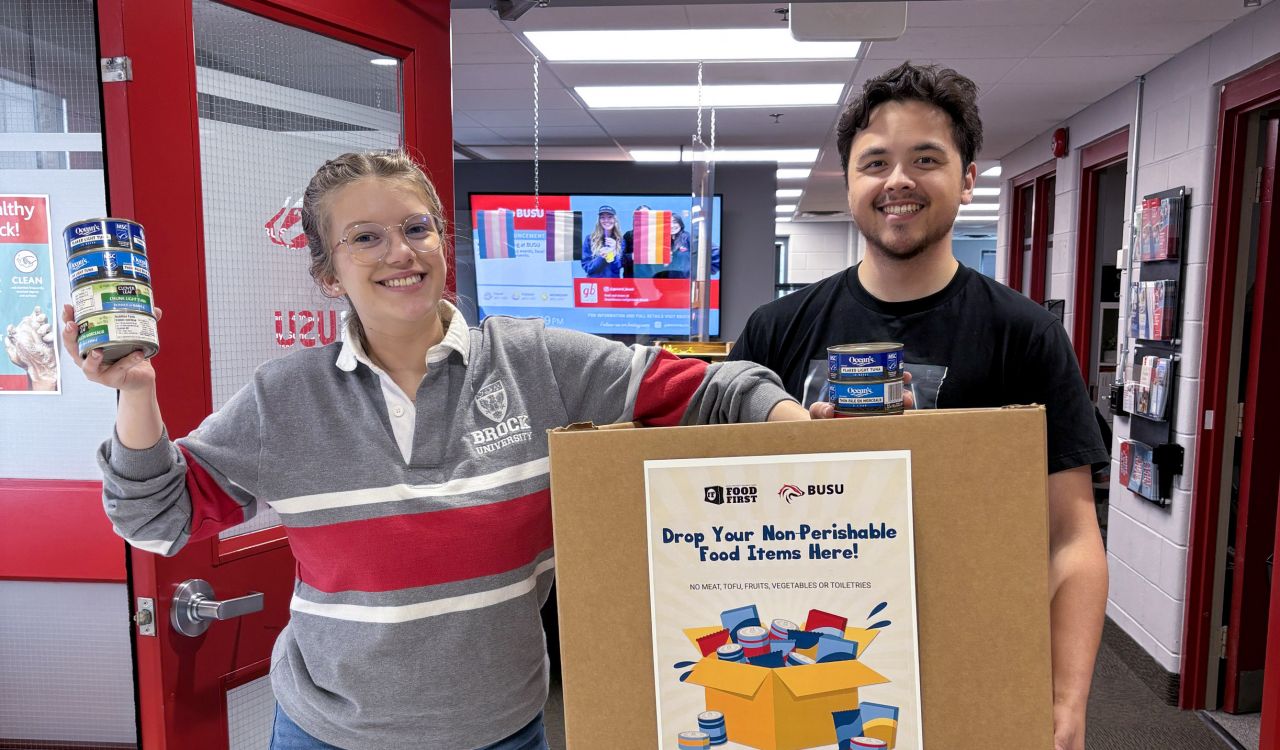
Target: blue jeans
column 289, row 736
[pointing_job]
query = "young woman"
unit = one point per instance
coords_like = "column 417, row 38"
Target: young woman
column 602, row 249
column 409, row 462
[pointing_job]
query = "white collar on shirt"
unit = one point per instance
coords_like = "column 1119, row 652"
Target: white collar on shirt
column 456, row 339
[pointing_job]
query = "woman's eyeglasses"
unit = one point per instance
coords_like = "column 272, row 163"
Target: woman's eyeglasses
column 369, row 242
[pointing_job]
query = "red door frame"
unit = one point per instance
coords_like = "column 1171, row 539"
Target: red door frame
column 1095, row 157
column 1270, row 729
column 1239, row 99
column 1256, row 521
column 151, row 136
column 1039, row 239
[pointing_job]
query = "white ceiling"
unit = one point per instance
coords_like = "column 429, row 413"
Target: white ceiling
column 1036, row 62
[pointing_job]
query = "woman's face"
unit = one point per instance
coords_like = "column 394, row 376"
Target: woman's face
column 608, row 222
column 676, row 227
column 403, row 289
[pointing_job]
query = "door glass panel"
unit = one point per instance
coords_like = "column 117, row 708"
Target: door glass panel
column 275, row 102
column 1027, row 202
column 1050, row 206
column 251, row 710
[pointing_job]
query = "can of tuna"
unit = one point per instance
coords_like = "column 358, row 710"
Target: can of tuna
column 108, row 265
column 797, row 659
column 730, row 652
column 875, row 361
column 779, row 629
column 862, row 742
column 752, row 635
column 117, row 335
column 712, row 724
column 107, row 232
column 694, row 739
column 866, row 397
column 111, row 296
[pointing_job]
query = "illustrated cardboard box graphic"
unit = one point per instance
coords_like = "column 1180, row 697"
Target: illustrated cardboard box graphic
column 978, row 484
column 783, row 709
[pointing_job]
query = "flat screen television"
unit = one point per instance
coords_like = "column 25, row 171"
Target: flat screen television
column 544, row 262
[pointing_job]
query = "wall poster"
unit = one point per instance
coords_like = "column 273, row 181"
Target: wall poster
column 783, row 601
column 28, row 313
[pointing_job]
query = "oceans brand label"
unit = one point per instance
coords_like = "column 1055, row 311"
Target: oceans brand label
column 102, row 265
column 880, row 396
column 842, row 365
column 86, row 235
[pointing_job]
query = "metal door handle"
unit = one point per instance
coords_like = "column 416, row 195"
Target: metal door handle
column 194, row 606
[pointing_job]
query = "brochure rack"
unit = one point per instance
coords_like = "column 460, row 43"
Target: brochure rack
column 1146, row 389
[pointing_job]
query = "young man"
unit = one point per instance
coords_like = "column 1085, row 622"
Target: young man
column 907, row 146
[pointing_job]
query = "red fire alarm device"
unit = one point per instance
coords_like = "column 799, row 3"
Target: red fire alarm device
column 1060, row 143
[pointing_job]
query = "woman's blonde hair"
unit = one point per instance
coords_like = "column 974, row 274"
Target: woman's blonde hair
column 597, row 236
column 337, row 173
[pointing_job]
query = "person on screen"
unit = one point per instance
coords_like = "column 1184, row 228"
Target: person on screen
column 408, row 461
column 681, row 242
column 602, row 249
column 628, row 249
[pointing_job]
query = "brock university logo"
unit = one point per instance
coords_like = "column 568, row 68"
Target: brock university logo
column 491, row 400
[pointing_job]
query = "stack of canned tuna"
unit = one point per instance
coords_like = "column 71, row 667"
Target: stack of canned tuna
column 111, row 288
column 865, row 379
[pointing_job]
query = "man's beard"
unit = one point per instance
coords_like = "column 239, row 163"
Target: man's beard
column 911, row 251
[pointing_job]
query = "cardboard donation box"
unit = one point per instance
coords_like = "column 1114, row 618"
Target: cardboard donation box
column 877, row 582
column 774, row 709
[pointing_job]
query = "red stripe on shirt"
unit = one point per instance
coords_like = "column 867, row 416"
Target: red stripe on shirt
column 212, row 509
column 666, row 388
column 423, row 549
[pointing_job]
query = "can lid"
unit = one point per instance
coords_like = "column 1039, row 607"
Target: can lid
column 866, row 348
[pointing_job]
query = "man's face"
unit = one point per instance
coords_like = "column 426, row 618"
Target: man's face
column 906, row 179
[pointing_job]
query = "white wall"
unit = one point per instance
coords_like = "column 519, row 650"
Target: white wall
column 817, row 249
column 1147, row 545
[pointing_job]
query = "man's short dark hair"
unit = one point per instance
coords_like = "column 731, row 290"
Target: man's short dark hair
column 944, row 88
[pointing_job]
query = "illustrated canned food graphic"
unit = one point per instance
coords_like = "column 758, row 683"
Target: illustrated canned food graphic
column 876, row 361
column 107, row 265
column 88, row 234
column 111, row 296
column 870, row 397
column 117, row 335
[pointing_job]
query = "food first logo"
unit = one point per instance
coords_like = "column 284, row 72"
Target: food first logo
column 734, row 493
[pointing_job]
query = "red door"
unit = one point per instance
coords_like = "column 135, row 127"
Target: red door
column 1260, row 444
column 230, row 108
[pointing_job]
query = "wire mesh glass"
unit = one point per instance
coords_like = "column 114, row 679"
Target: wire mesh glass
column 251, row 709
column 275, row 102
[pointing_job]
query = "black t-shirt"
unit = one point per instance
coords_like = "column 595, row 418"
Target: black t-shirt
column 975, row 343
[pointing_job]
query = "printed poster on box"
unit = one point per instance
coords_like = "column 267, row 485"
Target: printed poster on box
column 783, row 601
column 28, row 311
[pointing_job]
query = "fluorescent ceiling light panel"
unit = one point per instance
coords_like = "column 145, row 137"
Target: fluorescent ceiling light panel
column 977, row 218
column 781, row 219
column 993, row 172
column 789, row 193
column 786, row 208
column 779, row 155
column 979, row 207
column 683, row 45
column 793, row 174
column 686, row 97
column 385, row 61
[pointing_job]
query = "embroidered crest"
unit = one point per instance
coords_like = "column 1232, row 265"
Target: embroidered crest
column 491, row 400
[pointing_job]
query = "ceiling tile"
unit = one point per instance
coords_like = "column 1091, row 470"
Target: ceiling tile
column 551, row 98
column 474, row 136
column 556, row 136
column 1103, row 40
column 1057, row 70
column 956, row 13
column 1139, row 13
column 604, row 18
column 502, row 76
column 962, row 43
column 476, row 21
column 489, row 48
column 523, row 118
